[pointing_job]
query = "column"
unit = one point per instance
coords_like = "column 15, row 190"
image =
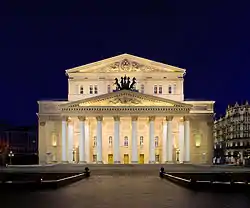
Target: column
column 186, row 140
column 42, row 141
column 70, row 141
column 82, row 145
column 151, row 139
column 134, row 158
column 87, row 142
column 164, row 142
column 117, row 140
column 169, row 139
column 210, row 140
column 99, row 139
column 181, row 141
column 64, row 140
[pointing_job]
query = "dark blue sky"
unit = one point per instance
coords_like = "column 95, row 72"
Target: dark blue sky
column 38, row 43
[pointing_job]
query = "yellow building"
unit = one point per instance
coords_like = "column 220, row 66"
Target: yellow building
column 103, row 122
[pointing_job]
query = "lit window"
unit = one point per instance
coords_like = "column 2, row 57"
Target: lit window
column 155, row 89
column 156, row 141
column 141, row 140
column 96, row 89
column 160, row 89
column 169, row 89
column 94, row 142
column 81, row 90
column 126, row 141
column 90, row 89
column 109, row 89
column 142, row 88
column 110, row 141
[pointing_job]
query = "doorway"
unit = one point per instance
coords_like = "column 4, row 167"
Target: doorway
column 110, row 159
column 126, row 159
column 141, row 160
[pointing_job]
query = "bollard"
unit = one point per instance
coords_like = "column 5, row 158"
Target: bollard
column 161, row 172
column 87, row 172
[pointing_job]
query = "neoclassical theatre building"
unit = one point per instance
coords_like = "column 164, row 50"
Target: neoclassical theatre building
column 125, row 109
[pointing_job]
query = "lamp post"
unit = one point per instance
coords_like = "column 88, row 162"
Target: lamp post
column 11, row 154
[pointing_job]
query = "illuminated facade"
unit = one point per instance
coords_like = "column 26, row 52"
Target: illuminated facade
column 232, row 133
column 100, row 123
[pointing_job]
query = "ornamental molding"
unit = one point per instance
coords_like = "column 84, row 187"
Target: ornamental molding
column 125, row 98
column 126, row 66
column 125, row 63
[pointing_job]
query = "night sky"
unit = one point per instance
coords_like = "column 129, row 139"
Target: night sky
column 39, row 42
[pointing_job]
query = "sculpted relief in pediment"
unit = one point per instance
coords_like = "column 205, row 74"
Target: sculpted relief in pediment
column 125, row 101
column 127, row 66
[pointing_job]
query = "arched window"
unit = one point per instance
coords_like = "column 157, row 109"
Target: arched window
column 126, row 141
column 81, row 90
column 142, row 88
column 141, row 140
column 110, row 141
column 156, row 141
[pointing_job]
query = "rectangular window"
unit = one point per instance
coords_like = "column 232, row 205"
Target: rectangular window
column 109, row 89
column 126, row 141
column 90, row 89
column 156, row 141
column 155, row 89
column 142, row 88
column 81, row 90
column 141, row 141
column 94, row 141
column 96, row 89
column 160, row 89
column 175, row 88
column 169, row 89
column 110, row 141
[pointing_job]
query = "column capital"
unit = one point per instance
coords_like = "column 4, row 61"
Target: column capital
column 151, row 118
column 169, row 118
column 210, row 123
column 99, row 118
column 186, row 118
column 116, row 118
column 42, row 123
column 65, row 118
column 82, row 118
column 134, row 118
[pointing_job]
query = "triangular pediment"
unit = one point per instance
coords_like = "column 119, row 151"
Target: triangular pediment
column 126, row 98
column 125, row 63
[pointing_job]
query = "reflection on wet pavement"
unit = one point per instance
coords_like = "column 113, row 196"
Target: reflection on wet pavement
column 123, row 191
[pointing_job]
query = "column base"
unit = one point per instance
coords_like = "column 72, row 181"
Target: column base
column 134, row 162
column 117, row 162
column 82, row 162
column 99, row 162
column 169, row 162
column 151, row 162
column 186, row 162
